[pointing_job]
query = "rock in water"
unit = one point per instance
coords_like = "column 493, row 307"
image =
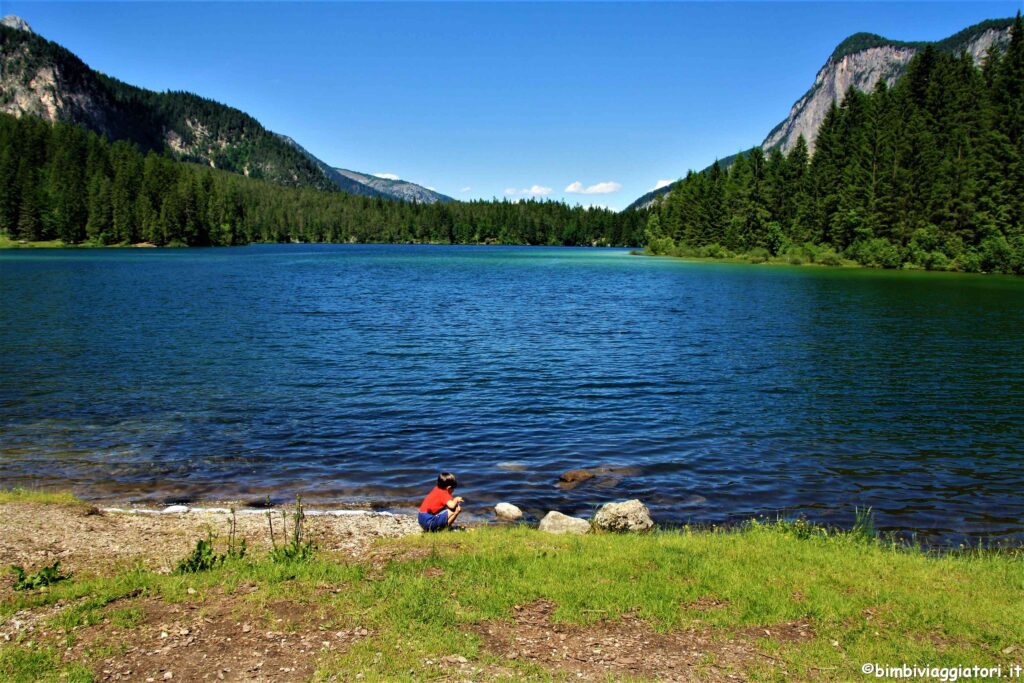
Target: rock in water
column 508, row 512
column 630, row 515
column 557, row 523
column 575, row 476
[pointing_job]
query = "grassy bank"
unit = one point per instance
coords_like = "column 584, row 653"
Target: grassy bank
column 8, row 243
column 766, row 602
column 874, row 254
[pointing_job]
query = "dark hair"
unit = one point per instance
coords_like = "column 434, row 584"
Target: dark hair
column 446, row 479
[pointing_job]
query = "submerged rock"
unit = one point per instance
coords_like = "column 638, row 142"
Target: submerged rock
column 604, row 476
column 508, row 512
column 630, row 515
column 575, row 476
column 556, row 523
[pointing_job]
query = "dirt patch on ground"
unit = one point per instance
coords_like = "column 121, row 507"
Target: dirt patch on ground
column 628, row 647
column 87, row 541
column 214, row 639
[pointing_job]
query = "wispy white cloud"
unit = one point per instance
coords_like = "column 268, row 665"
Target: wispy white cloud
column 662, row 183
column 467, row 188
column 597, row 188
column 387, row 176
column 432, row 189
column 533, row 191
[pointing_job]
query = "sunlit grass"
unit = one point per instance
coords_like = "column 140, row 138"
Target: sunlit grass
column 22, row 495
column 864, row 600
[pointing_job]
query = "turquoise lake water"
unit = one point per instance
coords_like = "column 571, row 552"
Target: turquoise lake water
column 352, row 374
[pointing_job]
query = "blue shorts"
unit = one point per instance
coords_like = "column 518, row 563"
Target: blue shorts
column 436, row 522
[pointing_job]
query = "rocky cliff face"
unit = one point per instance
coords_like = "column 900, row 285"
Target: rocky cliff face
column 863, row 69
column 47, row 83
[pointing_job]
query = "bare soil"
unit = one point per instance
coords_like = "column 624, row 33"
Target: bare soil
column 629, row 648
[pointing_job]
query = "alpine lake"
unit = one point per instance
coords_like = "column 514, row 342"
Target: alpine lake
column 353, row 374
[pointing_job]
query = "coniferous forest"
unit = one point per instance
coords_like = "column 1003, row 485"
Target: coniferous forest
column 929, row 174
column 59, row 181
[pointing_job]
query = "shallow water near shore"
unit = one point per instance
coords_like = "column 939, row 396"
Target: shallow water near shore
column 352, row 374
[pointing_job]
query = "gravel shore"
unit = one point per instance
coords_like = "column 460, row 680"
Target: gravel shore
column 91, row 540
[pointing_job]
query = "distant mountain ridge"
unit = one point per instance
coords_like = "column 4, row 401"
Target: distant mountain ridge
column 41, row 78
column 860, row 61
column 391, row 187
column 370, row 185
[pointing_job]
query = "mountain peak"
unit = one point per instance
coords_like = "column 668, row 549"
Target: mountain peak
column 16, row 22
column 865, row 41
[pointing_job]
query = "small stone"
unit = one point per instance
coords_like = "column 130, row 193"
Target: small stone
column 191, row 591
column 169, row 675
column 246, row 628
column 174, row 509
column 507, row 512
column 556, row 523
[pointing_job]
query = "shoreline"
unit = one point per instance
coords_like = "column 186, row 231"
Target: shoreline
column 846, row 264
column 778, row 601
column 6, row 243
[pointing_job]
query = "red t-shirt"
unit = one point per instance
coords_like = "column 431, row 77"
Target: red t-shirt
column 435, row 501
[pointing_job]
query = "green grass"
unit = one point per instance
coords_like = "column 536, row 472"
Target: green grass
column 865, row 601
column 8, row 243
column 21, row 495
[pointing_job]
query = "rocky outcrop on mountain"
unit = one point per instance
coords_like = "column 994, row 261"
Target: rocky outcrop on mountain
column 880, row 60
column 15, row 22
column 860, row 61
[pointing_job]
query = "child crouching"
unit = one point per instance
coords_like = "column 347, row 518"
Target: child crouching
column 439, row 509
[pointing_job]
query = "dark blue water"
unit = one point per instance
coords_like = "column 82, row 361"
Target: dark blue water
column 355, row 373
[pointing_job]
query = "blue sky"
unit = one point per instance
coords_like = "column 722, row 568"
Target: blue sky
column 496, row 99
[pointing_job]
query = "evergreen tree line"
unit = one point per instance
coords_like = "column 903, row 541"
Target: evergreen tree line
column 60, row 181
column 928, row 173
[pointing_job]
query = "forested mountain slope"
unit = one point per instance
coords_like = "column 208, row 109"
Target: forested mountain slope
column 40, row 78
column 928, row 173
column 861, row 61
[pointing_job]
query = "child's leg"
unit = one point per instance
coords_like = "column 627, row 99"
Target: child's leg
column 452, row 515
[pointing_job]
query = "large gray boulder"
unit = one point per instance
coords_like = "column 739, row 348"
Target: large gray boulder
column 557, row 523
column 507, row 512
column 630, row 515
